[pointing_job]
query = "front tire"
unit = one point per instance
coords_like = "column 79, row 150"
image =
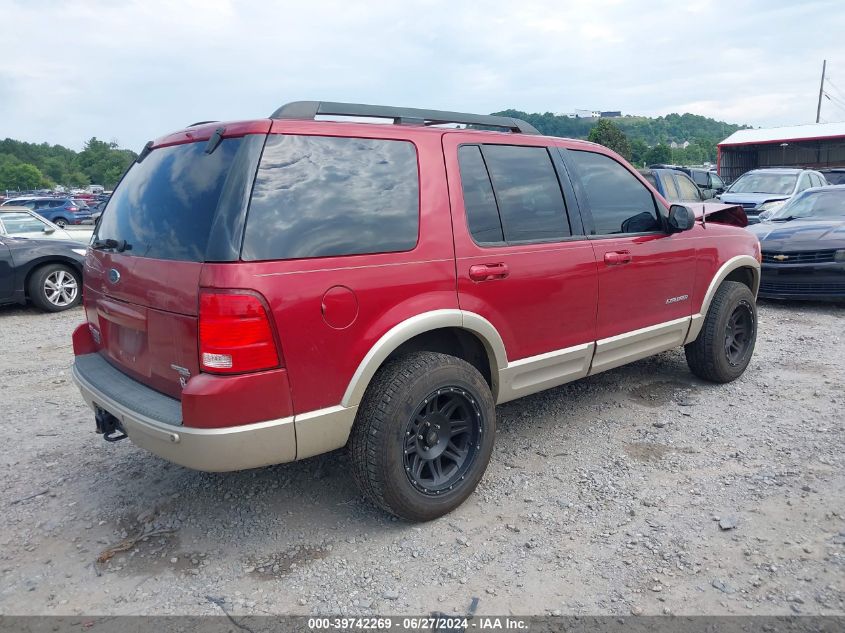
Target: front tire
column 55, row 287
column 726, row 342
column 423, row 435
column 60, row 222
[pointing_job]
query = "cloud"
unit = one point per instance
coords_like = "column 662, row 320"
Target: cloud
column 132, row 70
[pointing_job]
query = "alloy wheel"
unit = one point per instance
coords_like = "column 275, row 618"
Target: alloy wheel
column 739, row 333
column 442, row 440
column 61, row 288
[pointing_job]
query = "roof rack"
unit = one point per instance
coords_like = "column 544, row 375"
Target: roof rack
column 400, row 116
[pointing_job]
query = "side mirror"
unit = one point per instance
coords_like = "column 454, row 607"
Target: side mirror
column 681, row 218
column 49, row 229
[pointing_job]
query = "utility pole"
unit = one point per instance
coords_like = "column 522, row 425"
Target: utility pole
column 821, row 92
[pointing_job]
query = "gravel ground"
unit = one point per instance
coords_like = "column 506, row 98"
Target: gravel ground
column 641, row 490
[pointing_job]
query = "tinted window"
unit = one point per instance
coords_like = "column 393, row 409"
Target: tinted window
column 619, row 202
column 319, row 196
column 699, row 177
column 528, row 193
column 479, row 201
column 687, row 191
column 716, row 182
column 165, row 205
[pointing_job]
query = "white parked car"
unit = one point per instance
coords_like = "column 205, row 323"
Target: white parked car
column 21, row 222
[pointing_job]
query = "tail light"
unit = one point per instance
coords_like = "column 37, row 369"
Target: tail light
column 73, row 209
column 235, row 335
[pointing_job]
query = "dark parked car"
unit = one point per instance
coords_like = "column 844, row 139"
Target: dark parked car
column 804, row 247
column 60, row 211
column 673, row 185
column 766, row 190
column 46, row 272
column 835, row 176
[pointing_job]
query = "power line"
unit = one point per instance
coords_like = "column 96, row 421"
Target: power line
column 835, row 87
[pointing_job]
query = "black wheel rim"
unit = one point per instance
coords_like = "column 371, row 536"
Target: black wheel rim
column 442, row 440
column 739, row 333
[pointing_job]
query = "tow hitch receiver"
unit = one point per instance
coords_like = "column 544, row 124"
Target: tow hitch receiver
column 108, row 426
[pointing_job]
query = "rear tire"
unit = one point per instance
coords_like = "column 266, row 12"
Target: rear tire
column 60, row 222
column 423, row 435
column 725, row 344
column 55, row 287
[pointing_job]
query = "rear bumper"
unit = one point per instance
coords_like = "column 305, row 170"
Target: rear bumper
column 155, row 429
column 153, row 421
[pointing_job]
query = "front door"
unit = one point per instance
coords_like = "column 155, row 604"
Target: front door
column 645, row 274
column 523, row 262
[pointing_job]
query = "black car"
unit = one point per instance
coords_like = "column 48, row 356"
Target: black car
column 803, row 246
column 47, row 273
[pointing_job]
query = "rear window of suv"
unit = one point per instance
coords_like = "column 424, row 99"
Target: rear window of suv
column 165, row 205
column 321, row 196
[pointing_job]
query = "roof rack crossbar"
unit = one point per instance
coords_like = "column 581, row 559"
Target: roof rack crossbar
column 417, row 116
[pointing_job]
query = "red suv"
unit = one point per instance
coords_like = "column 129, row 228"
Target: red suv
column 259, row 292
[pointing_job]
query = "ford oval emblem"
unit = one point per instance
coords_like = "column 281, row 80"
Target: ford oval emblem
column 114, row 275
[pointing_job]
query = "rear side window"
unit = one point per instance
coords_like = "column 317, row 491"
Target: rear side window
column 528, row 193
column 320, row 196
column 619, row 202
column 700, row 178
column 524, row 202
column 165, row 205
column 479, row 201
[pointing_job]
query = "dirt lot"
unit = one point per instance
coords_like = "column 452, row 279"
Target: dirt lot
column 640, row 490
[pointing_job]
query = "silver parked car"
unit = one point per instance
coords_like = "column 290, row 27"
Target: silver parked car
column 766, row 190
column 21, row 222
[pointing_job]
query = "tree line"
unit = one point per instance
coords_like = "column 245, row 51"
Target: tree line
column 641, row 140
column 26, row 166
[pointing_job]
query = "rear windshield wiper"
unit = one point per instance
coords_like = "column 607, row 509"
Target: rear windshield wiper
column 786, row 219
column 117, row 245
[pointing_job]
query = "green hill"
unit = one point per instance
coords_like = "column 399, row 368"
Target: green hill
column 701, row 132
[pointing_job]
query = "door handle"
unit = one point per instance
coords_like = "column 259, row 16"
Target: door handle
column 617, row 258
column 488, row 272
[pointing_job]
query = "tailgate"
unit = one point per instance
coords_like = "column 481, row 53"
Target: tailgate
column 147, row 319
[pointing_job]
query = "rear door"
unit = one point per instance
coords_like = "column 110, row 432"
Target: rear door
column 523, row 261
column 170, row 214
column 645, row 275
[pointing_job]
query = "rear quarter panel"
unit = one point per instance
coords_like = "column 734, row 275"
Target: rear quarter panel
column 388, row 288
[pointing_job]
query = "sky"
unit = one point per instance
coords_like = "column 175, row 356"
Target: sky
column 128, row 71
